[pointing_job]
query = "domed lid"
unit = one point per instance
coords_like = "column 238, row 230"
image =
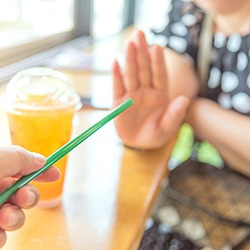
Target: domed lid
column 40, row 88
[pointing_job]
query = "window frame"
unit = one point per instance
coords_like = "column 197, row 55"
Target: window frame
column 129, row 13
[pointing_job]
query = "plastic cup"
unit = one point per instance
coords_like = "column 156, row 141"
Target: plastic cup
column 41, row 104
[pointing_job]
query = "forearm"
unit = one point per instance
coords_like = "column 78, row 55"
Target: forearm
column 182, row 77
column 227, row 130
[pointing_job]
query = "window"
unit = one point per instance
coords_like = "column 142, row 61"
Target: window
column 27, row 20
column 32, row 31
column 107, row 17
column 31, row 26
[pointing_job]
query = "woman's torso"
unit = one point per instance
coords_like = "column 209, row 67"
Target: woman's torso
column 228, row 81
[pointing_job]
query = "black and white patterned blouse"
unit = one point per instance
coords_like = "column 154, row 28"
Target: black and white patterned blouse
column 229, row 77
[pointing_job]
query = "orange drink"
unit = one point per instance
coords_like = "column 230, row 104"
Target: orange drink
column 40, row 118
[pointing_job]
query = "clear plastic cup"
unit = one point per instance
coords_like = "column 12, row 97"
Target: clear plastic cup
column 40, row 104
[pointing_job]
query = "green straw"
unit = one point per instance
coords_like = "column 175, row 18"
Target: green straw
column 57, row 155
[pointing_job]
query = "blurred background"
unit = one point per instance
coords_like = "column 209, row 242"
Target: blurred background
column 28, row 27
column 61, row 34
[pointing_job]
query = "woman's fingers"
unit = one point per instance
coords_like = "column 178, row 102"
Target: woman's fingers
column 175, row 114
column 143, row 59
column 143, row 67
column 15, row 160
column 130, row 68
column 118, row 85
column 158, row 67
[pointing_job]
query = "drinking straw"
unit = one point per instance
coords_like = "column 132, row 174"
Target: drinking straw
column 65, row 149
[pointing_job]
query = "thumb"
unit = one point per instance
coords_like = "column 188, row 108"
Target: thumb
column 175, row 114
column 16, row 160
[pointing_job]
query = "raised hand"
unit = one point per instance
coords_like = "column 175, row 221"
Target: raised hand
column 154, row 118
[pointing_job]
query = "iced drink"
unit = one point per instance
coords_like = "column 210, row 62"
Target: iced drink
column 40, row 114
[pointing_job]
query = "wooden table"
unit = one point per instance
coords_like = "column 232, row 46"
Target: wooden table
column 109, row 193
column 109, row 190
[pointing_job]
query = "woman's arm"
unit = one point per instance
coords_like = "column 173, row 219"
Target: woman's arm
column 182, row 76
column 227, row 130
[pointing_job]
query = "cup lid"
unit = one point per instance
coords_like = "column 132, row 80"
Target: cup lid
column 40, row 88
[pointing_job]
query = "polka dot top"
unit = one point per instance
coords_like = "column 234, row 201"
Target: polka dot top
column 228, row 81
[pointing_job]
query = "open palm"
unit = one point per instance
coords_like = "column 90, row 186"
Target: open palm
column 153, row 119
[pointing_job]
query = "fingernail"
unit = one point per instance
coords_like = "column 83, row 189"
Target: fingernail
column 39, row 158
column 13, row 219
column 30, row 199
